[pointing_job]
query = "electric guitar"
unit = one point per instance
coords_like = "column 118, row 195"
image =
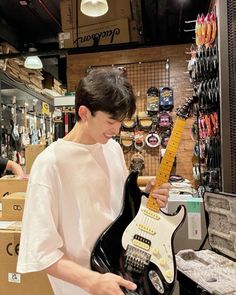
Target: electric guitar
column 138, row 245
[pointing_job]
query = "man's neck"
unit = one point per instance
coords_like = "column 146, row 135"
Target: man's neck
column 79, row 134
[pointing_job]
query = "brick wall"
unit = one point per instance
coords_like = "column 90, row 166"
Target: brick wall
column 179, row 81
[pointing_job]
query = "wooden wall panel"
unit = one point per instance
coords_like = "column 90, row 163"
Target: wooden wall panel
column 179, row 81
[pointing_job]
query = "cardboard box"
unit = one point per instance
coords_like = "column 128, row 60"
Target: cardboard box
column 31, row 152
column 11, row 282
column 9, row 247
column 11, row 184
column 50, row 81
column 117, row 9
column 13, row 206
column 113, row 32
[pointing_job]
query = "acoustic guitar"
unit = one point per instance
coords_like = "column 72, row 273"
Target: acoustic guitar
column 138, row 245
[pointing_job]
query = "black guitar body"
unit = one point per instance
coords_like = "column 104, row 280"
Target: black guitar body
column 138, row 260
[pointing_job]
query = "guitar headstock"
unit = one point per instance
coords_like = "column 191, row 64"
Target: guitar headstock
column 185, row 110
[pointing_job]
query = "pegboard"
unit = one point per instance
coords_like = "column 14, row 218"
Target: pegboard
column 143, row 75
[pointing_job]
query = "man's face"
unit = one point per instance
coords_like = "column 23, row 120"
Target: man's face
column 100, row 127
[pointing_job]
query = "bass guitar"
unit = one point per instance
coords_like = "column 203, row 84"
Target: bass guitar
column 138, row 245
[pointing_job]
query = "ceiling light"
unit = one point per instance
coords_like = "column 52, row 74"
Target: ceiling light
column 33, row 62
column 94, row 8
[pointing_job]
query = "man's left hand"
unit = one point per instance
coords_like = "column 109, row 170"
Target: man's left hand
column 160, row 194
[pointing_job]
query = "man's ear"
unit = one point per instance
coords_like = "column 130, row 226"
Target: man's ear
column 84, row 113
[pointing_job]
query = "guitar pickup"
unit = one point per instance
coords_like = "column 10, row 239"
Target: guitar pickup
column 151, row 214
column 146, row 229
column 141, row 242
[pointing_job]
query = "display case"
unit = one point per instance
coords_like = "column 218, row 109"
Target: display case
column 212, row 271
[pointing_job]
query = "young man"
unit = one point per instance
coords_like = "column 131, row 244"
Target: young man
column 9, row 165
column 75, row 190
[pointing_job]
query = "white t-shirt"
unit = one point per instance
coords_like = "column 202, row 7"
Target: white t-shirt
column 75, row 191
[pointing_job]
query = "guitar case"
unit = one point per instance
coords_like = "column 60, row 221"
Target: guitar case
column 212, row 271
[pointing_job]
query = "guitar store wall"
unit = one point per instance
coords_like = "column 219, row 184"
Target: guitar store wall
column 178, row 80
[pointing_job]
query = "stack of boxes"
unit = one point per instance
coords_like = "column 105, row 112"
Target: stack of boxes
column 12, row 200
column 52, row 84
column 116, row 26
column 14, row 67
column 13, row 283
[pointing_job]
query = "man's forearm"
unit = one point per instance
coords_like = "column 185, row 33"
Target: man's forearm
column 69, row 271
column 91, row 281
column 14, row 168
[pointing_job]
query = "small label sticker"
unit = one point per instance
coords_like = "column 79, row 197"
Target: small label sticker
column 14, row 277
column 193, row 206
column 194, row 226
column 194, row 219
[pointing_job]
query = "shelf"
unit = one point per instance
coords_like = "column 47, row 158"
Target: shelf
column 60, row 101
column 19, row 87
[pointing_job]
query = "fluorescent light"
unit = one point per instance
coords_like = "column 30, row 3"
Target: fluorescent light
column 33, row 62
column 94, row 8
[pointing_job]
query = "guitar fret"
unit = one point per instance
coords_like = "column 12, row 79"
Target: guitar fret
column 163, row 177
column 165, row 167
column 164, row 172
column 175, row 143
column 152, row 204
column 177, row 135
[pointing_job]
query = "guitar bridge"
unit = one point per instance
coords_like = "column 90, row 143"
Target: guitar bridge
column 136, row 260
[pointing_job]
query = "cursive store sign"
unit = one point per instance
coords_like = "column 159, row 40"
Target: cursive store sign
column 112, row 32
column 96, row 38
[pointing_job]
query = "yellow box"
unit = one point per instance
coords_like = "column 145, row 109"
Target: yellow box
column 11, row 184
column 13, row 206
column 11, row 282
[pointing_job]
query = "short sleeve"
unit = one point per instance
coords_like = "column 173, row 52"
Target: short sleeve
column 40, row 244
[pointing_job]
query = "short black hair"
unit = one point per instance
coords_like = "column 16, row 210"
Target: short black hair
column 107, row 90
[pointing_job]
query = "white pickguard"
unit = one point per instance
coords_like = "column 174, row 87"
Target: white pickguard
column 158, row 228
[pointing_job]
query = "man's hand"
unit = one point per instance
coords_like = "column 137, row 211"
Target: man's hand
column 109, row 284
column 161, row 194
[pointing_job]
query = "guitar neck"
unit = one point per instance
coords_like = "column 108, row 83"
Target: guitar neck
column 163, row 172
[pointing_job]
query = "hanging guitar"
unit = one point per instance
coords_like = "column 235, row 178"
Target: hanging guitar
column 138, row 245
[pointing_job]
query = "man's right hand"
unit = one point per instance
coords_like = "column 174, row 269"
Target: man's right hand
column 109, row 284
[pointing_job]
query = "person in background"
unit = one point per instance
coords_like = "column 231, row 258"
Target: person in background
column 75, row 190
column 9, row 165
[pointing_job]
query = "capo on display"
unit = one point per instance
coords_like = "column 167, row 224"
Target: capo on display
column 137, row 162
column 153, row 140
column 139, row 141
column 145, row 121
column 129, row 123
